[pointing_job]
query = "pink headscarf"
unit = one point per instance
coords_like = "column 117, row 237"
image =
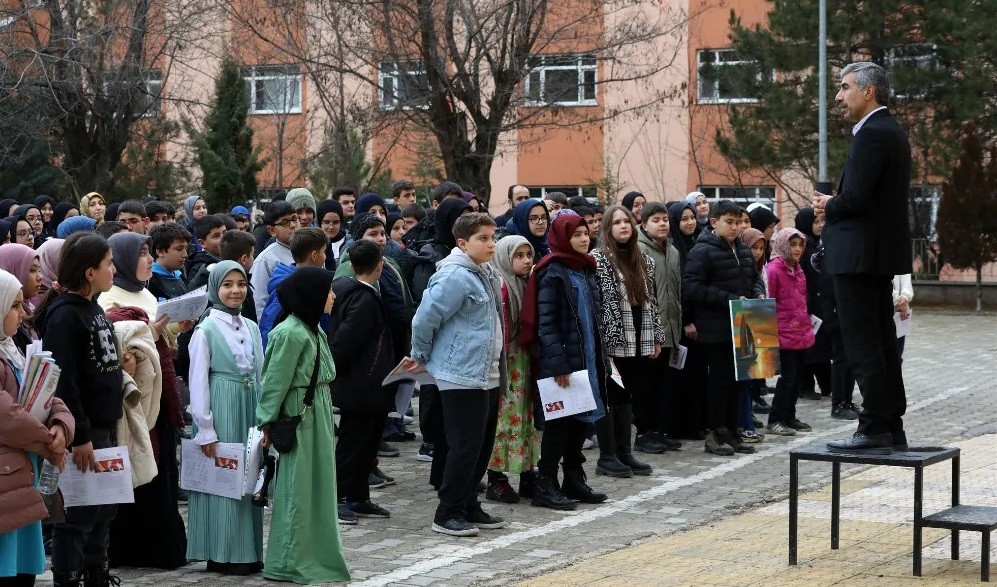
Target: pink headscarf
column 780, row 242
column 16, row 259
column 48, row 264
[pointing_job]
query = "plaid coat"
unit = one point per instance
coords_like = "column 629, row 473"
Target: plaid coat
column 619, row 331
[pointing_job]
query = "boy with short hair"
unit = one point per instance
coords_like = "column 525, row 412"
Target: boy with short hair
column 281, row 221
column 159, row 212
column 361, row 344
column 132, row 214
column 109, row 228
column 402, row 194
column 241, row 216
column 347, row 198
column 209, row 231
column 169, row 245
column 457, row 324
column 720, row 269
column 308, row 247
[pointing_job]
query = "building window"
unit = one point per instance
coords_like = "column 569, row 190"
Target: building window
column 588, row 191
column 916, row 70
column 561, row 80
column 273, row 89
column 727, row 78
column 924, row 210
column 150, row 102
column 403, row 85
column 742, row 195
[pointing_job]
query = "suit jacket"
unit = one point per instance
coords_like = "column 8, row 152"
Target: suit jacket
column 867, row 229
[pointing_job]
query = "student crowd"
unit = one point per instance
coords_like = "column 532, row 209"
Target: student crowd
column 311, row 308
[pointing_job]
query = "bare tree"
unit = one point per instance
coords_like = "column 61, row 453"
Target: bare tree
column 468, row 71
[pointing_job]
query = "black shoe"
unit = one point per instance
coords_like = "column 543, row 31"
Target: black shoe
column 501, row 491
column 100, row 576
column 455, row 527
column 714, row 444
column 527, row 483
column 73, row 579
column 575, row 487
column 346, row 516
column 375, row 482
column 425, row 453
column 388, row 480
column 386, row 450
column 844, row 411
column 735, row 442
column 367, row 509
column 812, row 395
column 480, row 518
column 899, row 441
column 670, row 443
column 234, row 569
column 399, row 436
column 482, row 486
column 761, row 406
column 546, row 494
column 182, row 496
column 864, row 443
column 799, row 426
column 610, row 466
column 638, row 467
column 648, row 443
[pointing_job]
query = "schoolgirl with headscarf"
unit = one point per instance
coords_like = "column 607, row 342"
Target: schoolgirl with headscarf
column 93, row 205
column 534, row 232
column 133, row 270
column 22, row 262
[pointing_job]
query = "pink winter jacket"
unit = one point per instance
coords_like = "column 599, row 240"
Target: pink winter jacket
column 789, row 288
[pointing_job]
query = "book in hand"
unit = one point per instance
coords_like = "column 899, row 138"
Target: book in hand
column 38, row 383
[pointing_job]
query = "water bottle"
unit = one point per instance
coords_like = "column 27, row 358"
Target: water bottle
column 48, row 479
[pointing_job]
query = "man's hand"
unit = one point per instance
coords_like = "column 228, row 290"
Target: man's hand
column 820, row 204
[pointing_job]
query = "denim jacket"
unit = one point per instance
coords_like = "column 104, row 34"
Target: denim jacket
column 454, row 329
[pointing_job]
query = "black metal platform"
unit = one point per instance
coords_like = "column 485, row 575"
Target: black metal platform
column 916, row 458
column 974, row 518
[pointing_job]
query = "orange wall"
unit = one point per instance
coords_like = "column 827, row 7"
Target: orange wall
column 565, row 156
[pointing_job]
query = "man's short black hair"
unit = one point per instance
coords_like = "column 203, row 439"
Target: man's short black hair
column 132, row 207
column 583, row 210
column 401, row 185
column 446, row 189
column 109, row 228
column 158, row 207
column 576, row 201
column 203, row 226
column 364, row 256
column 163, row 236
column 306, row 240
column 235, row 244
column 414, row 211
column 343, row 191
column 723, row 208
column 650, row 209
column 558, row 197
column 229, row 221
column 277, row 210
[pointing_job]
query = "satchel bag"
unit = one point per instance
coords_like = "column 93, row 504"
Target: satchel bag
column 283, row 431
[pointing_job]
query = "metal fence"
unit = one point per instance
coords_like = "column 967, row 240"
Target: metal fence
column 926, row 264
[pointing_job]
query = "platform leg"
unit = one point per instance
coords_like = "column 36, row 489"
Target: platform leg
column 835, row 503
column 918, row 495
column 955, row 502
column 793, row 498
column 985, row 558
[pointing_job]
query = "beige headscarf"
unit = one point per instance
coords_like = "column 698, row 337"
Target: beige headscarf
column 9, row 286
column 515, row 285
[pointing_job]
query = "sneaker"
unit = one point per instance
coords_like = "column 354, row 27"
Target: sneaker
column 844, row 411
column 670, row 443
column 751, row 437
column 388, row 480
column 800, row 426
column 715, row 445
column 501, row 491
column 589, row 443
column 761, row 406
column 481, row 519
column 780, row 429
column 367, row 509
column 648, row 443
column 375, row 482
column 386, row 450
column 425, row 453
column 346, row 516
column 455, row 527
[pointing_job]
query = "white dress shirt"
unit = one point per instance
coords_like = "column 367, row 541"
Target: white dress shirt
column 858, row 125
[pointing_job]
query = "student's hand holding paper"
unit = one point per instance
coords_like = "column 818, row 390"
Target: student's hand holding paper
column 410, row 365
column 84, row 459
column 160, row 325
column 58, row 436
column 563, row 380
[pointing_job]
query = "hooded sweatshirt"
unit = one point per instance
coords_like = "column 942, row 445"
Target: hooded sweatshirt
column 83, row 345
column 430, row 253
column 166, row 284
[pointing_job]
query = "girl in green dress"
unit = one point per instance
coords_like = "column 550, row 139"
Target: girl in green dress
column 517, row 442
column 225, row 364
column 304, row 544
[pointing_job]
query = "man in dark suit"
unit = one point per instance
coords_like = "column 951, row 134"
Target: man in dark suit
column 867, row 241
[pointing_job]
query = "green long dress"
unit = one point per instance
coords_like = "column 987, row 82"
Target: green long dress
column 304, row 544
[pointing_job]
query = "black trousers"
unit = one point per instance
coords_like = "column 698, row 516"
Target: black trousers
column 721, row 386
column 562, row 439
column 685, row 403
column 20, row 580
column 642, row 378
column 356, row 449
column 865, row 315
column 81, row 541
column 469, row 418
column 787, row 390
column 817, row 375
column 842, row 380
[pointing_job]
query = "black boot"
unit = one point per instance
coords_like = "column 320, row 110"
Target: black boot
column 100, row 576
column 527, row 483
column 546, row 494
column 73, row 579
column 623, row 417
column 575, row 487
column 609, row 464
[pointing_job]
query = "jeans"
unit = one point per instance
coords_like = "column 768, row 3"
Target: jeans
column 469, row 419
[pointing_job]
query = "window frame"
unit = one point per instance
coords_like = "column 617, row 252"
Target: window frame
column 153, row 78
column 413, row 68
column 929, row 60
column 538, row 65
column 715, row 193
column 253, row 74
column 716, row 62
column 588, row 191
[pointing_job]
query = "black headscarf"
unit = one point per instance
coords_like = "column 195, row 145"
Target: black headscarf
column 628, row 200
column 23, row 209
column 805, row 222
column 43, row 199
column 303, row 294
column 7, row 227
column 762, row 218
column 326, row 206
column 681, row 241
column 59, row 213
column 12, row 231
column 447, row 213
column 5, row 206
column 392, row 219
column 362, row 222
column 125, row 249
column 111, row 213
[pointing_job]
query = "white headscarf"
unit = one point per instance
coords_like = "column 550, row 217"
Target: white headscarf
column 9, row 286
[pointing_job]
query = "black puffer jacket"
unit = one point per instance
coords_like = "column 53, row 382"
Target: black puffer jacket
column 716, row 273
column 559, row 330
column 362, row 347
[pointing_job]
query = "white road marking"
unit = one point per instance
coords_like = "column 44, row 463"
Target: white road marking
column 460, row 553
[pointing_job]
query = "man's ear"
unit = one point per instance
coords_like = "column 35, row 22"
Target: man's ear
column 271, row 230
column 713, row 222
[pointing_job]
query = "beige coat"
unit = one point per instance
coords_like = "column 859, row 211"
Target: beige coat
column 142, row 395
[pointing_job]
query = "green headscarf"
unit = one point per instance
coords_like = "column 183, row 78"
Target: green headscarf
column 215, row 277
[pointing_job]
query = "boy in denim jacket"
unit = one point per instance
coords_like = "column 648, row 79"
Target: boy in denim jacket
column 457, row 337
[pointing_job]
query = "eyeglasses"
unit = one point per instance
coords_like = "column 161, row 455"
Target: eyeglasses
column 537, row 219
column 23, row 233
column 286, row 223
column 33, row 218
